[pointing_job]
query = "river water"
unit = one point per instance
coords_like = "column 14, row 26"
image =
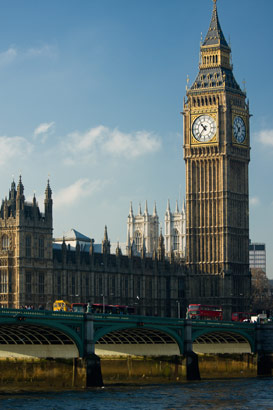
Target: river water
column 212, row 395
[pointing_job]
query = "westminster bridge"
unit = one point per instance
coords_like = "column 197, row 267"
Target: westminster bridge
column 42, row 334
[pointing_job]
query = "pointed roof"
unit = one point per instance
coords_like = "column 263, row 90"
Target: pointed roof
column 74, row 235
column 155, row 210
column 105, row 234
column 131, row 209
column 168, row 206
column 146, row 208
column 20, row 187
column 48, row 191
column 215, row 36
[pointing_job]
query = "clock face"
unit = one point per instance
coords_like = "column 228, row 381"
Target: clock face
column 204, row 128
column 239, row 129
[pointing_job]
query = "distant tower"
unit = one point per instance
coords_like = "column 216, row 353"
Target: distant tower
column 175, row 231
column 143, row 229
column 217, row 153
column 26, row 249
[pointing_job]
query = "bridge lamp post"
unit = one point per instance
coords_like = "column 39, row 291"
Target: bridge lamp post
column 137, row 304
column 103, row 303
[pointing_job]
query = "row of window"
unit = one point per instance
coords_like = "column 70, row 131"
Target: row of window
column 139, row 241
column 30, row 285
column 109, row 286
column 210, row 59
column 28, row 245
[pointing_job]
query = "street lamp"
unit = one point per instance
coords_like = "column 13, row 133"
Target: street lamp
column 103, row 304
column 137, row 304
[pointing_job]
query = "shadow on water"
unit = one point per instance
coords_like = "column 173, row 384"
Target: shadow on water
column 215, row 395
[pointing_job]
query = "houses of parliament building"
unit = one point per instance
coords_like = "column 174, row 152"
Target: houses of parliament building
column 158, row 276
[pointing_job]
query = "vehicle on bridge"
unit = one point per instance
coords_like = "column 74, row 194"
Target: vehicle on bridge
column 62, row 306
column 204, row 312
column 240, row 316
column 102, row 308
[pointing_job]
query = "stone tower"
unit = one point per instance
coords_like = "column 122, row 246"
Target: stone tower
column 175, row 231
column 143, row 230
column 216, row 154
column 25, row 250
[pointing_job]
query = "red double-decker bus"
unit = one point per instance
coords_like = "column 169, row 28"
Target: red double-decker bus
column 240, row 316
column 204, row 312
column 102, row 308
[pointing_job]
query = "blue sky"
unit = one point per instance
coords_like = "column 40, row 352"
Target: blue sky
column 91, row 93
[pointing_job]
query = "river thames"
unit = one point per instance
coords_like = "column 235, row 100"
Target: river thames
column 213, row 395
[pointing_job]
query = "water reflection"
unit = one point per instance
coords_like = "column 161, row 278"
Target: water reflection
column 213, row 395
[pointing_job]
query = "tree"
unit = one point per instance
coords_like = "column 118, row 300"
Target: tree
column 261, row 297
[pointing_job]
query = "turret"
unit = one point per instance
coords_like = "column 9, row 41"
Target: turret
column 34, row 206
column 12, row 198
column 20, row 199
column 146, row 208
column 155, row 210
column 105, row 243
column 48, row 203
column 131, row 213
column 118, row 251
column 168, row 210
column 6, row 210
column 143, row 248
column 161, row 247
column 176, row 208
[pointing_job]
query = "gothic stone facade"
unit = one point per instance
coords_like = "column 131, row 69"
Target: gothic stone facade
column 35, row 271
column 217, row 153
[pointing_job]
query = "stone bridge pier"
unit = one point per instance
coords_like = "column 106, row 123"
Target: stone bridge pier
column 90, row 361
column 264, row 348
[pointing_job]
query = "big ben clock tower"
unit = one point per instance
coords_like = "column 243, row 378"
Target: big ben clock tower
column 217, row 153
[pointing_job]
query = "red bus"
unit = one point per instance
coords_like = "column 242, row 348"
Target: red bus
column 204, row 312
column 240, row 316
column 100, row 308
column 79, row 307
column 114, row 309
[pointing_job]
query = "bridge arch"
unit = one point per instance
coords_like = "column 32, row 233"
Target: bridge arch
column 129, row 339
column 215, row 340
column 30, row 339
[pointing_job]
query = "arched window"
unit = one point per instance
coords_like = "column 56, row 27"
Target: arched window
column 138, row 241
column 175, row 240
column 41, row 283
column 41, row 247
column 5, row 242
column 28, row 246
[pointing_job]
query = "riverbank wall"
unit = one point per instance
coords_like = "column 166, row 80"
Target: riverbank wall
column 58, row 374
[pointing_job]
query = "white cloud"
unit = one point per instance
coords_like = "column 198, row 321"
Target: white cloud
column 73, row 193
column 114, row 142
column 44, row 51
column 12, row 147
column 254, row 201
column 131, row 145
column 43, row 130
column 8, row 56
column 266, row 137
